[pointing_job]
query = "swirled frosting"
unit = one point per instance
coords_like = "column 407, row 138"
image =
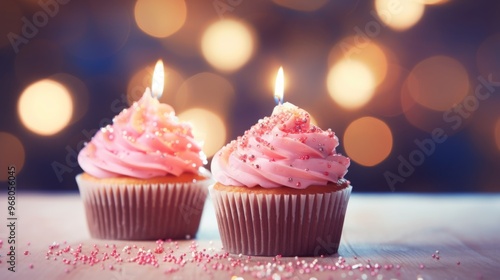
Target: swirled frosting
column 284, row 149
column 144, row 141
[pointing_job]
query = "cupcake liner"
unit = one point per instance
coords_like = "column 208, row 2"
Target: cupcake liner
column 280, row 224
column 143, row 211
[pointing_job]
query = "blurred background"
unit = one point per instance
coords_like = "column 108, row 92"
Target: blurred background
column 411, row 88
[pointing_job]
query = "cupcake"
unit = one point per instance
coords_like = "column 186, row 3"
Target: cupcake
column 143, row 176
column 280, row 188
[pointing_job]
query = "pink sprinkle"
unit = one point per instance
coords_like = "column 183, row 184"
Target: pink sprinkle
column 458, row 263
column 26, row 253
column 422, row 266
column 32, row 266
column 109, row 257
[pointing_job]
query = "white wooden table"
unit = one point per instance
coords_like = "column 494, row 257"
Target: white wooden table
column 387, row 236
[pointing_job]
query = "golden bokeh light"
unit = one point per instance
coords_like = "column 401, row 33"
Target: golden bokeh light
column 350, row 83
column 45, row 107
column 400, row 15
column 416, row 114
column 439, row 83
column 142, row 79
column 12, row 151
column 228, row 44
column 160, row 18
column 497, row 134
column 368, row 141
column 301, row 5
column 206, row 90
column 369, row 53
column 207, row 128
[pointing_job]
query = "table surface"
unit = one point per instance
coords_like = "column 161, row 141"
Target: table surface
column 386, row 236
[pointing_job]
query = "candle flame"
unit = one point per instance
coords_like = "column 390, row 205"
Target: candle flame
column 158, row 80
column 279, row 86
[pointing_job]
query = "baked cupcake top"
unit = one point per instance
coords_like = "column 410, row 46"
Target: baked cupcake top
column 146, row 140
column 284, row 149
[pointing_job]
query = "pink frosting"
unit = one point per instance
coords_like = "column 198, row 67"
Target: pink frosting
column 146, row 140
column 282, row 150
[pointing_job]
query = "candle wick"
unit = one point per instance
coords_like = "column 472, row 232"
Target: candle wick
column 278, row 100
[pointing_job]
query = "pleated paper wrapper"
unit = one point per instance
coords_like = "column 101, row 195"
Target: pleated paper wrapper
column 145, row 211
column 280, row 224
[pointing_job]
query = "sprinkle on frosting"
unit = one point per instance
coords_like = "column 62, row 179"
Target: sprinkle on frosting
column 146, row 140
column 284, row 149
